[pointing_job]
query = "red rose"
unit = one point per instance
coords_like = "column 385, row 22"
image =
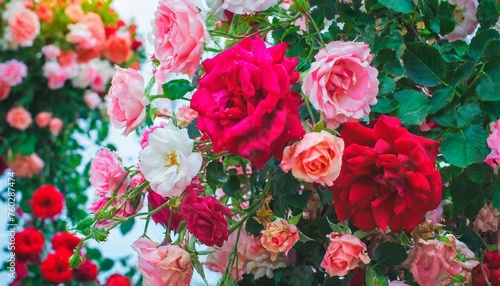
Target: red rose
column 46, row 202
column 55, row 268
column 87, row 272
column 118, row 280
column 155, row 200
column 244, row 101
column 205, row 219
column 29, row 244
column 491, row 267
column 65, row 240
column 388, row 176
column 21, row 273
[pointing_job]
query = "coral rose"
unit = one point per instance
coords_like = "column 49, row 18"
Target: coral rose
column 43, row 118
column 44, row 13
column 29, row 244
column 19, row 118
column 24, row 26
column 244, row 101
column 126, row 100
column 206, row 219
column 4, row 90
column 27, row 166
column 279, row 236
column 46, row 202
column 179, row 33
column 341, row 83
column 248, row 6
column 55, row 125
column 117, row 48
column 74, row 12
column 167, row 265
column 315, row 158
column 344, row 253
column 107, row 174
column 388, row 176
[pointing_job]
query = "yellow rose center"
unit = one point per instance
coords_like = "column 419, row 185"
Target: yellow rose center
column 171, row 159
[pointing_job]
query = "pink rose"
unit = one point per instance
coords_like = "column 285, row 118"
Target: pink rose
column 25, row 26
column 341, row 83
column 185, row 115
column 43, row 118
column 107, row 173
column 487, row 219
column 13, row 72
column 126, row 105
column 167, row 265
column 279, row 236
column 248, row 6
column 179, row 33
column 493, row 159
column 4, row 90
column 344, row 253
column 315, row 158
column 19, row 118
column 55, row 75
column 27, row 166
column 145, row 135
column 122, row 210
column 51, row 51
column 434, row 263
column 465, row 18
column 55, row 125
column 92, row 99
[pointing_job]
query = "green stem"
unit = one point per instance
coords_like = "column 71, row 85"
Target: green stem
column 311, row 20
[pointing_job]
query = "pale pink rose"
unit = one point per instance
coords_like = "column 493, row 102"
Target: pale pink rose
column 279, row 236
column 19, row 118
column 137, row 180
column 397, row 283
column 55, row 125
column 248, row 6
column 126, row 100
column 285, row 4
column 27, row 166
column 107, row 173
column 260, row 262
column 24, row 26
column 465, row 19
column 487, row 219
column 4, row 90
column 92, row 99
column 55, row 75
column 344, row 253
column 493, row 159
column 185, row 115
column 434, row 263
column 167, row 265
column 13, row 72
column 51, row 51
column 315, row 158
column 341, row 84
column 43, row 118
column 179, row 33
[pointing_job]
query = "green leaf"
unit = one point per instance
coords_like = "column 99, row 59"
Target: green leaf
column 75, row 260
column 488, row 85
column 193, row 131
column 176, row 89
column 199, row 268
column 467, row 113
column 487, row 14
column 375, row 278
column 301, row 276
column 424, row 64
column 494, row 189
column 253, row 227
column 295, row 219
column 362, row 234
column 215, row 174
column 490, row 50
column 390, row 253
column 468, row 197
column 106, row 264
column 127, row 226
column 402, row 6
column 480, row 173
column 335, row 227
column 465, row 147
column 479, row 41
column 440, row 99
column 298, row 200
column 84, row 224
column 385, row 105
column 414, row 106
column 304, row 238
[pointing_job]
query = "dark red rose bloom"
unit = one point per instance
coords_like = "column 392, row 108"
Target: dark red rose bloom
column 388, row 176
column 244, row 101
column 21, row 273
column 29, row 245
column 87, row 272
column 118, row 280
column 47, row 202
column 55, row 268
column 205, row 219
column 65, row 240
column 491, row 267
column 155, row 200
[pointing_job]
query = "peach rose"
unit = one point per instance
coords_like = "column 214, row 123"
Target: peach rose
column 19, row 118
column 487, row 219
column 179, row 33
column 117, row 48
column 27, row 166
column 126, row 100
column 279, row 236
column 24, row 26
column 42, row 119
column 167, row 265
column 74, row 12
column 185, row 115
column 344, row 253
column 55, row 125
column 341, row 84
column 315, row 158
column 91, row 48
column 4, row 90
